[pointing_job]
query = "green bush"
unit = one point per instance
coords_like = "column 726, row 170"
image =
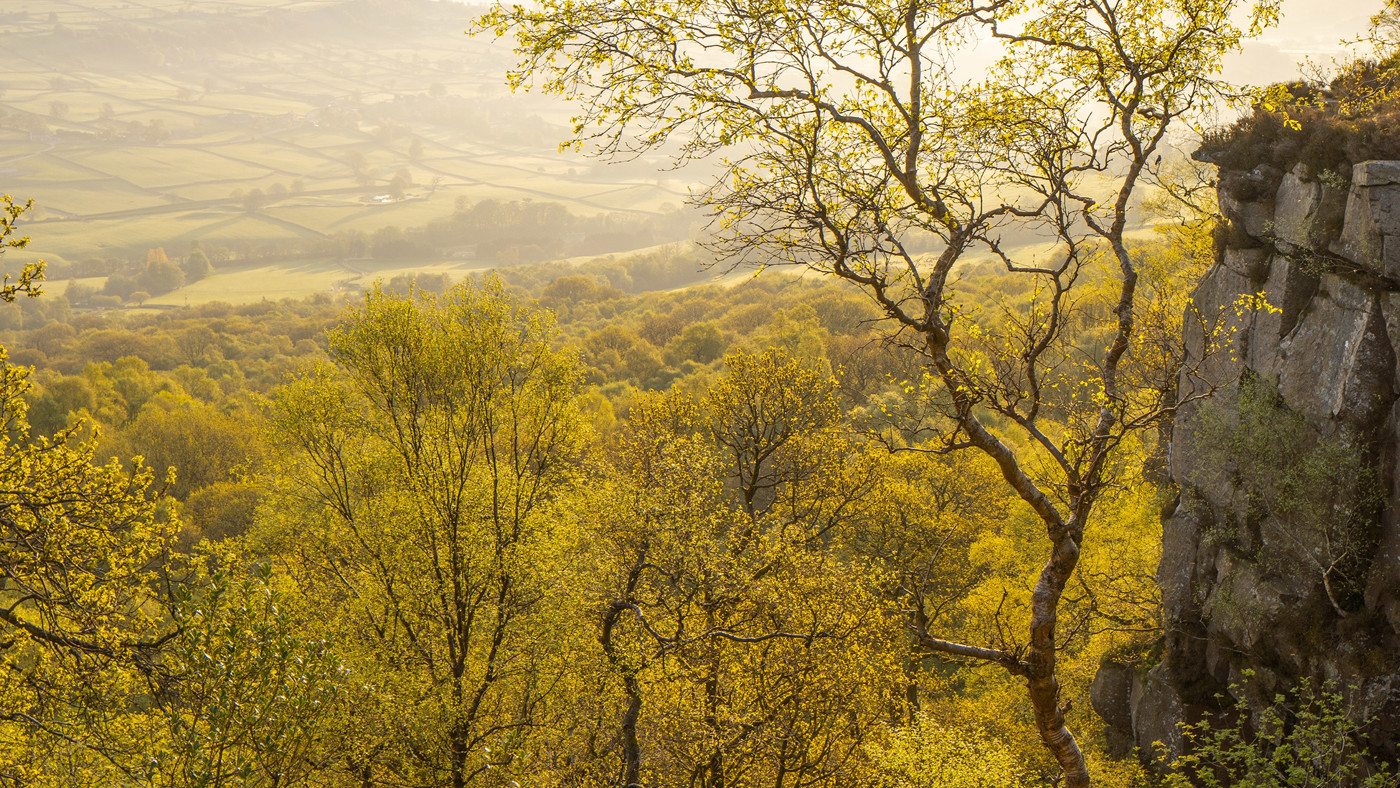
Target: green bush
column 1312, row 742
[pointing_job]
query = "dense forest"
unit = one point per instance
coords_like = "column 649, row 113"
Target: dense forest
column 695, row 527
column 606, row 517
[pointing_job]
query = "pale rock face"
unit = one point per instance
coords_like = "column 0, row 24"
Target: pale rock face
column 1370, row 237
column 1213, row 330
column 1338, row 363
column 1288, row 288
column 1253, row 218
column 1156, row 708
column 1242, row 587
column 1307, row 214
column 1370, row 174
column 1111, row 695
column 1248, row 263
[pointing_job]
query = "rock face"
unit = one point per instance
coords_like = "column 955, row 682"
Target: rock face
column 1281, row 555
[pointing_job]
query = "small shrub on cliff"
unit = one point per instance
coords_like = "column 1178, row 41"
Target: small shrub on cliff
column 1310, row 743
column 1310, row 126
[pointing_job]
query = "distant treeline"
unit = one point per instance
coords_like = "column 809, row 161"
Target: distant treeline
column 152, row 380
column 517, row 232
column 504, row 233
column 562, row 285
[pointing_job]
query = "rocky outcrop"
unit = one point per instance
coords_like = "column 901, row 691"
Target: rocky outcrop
column 1281, row 554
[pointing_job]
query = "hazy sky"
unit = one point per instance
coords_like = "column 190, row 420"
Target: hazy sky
column 1310, row 28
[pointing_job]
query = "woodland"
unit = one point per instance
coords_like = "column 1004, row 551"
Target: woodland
column 871, row 511
column 701, row 542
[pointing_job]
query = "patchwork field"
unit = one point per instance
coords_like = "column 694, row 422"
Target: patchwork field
column 271, row 126
column 135, row 125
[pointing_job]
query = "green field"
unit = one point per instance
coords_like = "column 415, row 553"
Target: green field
column 301, row 279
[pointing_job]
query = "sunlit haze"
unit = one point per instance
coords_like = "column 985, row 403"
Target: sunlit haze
column 1312, row 29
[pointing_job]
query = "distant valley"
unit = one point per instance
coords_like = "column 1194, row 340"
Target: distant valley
column 281, row 136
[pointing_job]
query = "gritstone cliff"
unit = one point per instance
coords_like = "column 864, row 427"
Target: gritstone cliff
column 1281, row 551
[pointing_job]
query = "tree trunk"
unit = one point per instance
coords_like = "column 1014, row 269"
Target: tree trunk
column 457, row 743
column 1041, row 656
column 631, row 751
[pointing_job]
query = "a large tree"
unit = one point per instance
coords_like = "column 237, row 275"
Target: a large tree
column 411, row 506
column 848, row 136
column 79, row 545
